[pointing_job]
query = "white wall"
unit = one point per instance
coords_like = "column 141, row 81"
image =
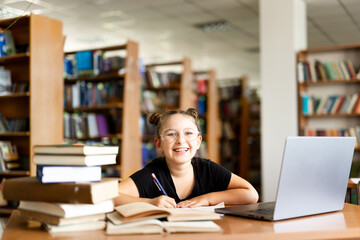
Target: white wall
column 282, row 34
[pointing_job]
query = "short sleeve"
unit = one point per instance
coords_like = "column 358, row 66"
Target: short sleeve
column 220, row 175
column 143, row 182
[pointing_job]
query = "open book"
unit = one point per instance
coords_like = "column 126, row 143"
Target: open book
column 152, row 226
column 139, row 211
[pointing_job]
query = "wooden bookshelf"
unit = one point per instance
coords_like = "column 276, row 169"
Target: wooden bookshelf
column 234, row 150
column 208, row 109
column 38, row 62
column 320, row 108
column 173, row 90
column 120, row 108
column 253, row 174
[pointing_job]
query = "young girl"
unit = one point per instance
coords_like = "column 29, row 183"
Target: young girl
column 187, row 181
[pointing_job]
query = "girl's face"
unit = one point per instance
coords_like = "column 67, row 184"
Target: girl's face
column 180, row 138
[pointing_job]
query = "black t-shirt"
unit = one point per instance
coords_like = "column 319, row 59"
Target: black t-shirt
column 209, row 177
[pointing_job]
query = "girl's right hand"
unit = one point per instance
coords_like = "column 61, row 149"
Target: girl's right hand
column 164, row 201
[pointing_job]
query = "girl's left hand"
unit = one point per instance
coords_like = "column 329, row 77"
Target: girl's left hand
column 194, row 202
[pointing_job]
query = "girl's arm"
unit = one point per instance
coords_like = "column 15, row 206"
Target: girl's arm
column 239, row 191
column 128, row 193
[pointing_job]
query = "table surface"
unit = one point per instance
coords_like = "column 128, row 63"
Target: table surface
column 337, row 225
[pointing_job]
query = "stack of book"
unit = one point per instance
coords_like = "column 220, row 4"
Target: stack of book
column 145, row 218
column 9, row 157
column 68, row 193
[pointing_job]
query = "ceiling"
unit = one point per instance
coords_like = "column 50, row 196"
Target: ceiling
column 166, row 29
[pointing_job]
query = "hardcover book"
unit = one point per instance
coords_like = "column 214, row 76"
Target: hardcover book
column 75, row 149
column 156, row 226
column 66, row 210
column 58, row 221
column 31, row 189
column 86, row 226
column 139, row 211
column 74, row 160
column 60, row 174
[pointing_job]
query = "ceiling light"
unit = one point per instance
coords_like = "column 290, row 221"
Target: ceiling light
column 214, row 26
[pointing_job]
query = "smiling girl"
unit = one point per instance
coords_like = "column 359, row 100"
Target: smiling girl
column 187, row 181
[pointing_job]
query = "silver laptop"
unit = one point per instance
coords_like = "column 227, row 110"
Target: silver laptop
column 313, row 180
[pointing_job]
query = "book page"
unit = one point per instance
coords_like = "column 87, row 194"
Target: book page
column 191, row 214
column 139, row 209
column 193, row 226
column 211, row 208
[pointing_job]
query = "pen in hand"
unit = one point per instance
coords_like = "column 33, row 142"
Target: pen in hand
column 156, row 181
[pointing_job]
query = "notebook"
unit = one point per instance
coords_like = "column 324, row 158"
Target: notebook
column 313, row 180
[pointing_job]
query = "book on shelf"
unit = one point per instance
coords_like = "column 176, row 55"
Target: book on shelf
column 60, row 174
column 7, row 45
column 345, row 104
column 321, row 71
column 58, row 221
column 84, row 60
column 350, row 107
column 337, row 105
column 153, row 78
column 336, row 70
column 329, row 70
column 4, row 125
column 344, row 71
column 202, row 86
column 5, row 81
column 332, row 104
column 325, row 71
column 102, row 125
column 153, row 226
column 74, row 160
column 84, row 125
column 31, row 189
column 138, row 211
column 66, row 210
column 92, row 125
column 76, row 149
column 9, row 157
column 351, row 68
column 88, row 94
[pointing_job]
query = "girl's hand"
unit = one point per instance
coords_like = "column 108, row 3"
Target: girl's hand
column 163, row 201
column 194, row 202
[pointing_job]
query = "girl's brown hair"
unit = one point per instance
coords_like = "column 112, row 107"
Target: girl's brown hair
column 157, row 118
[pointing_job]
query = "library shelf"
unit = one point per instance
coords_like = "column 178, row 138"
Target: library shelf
column 328, row 78
column 36, row 38
column 119, row 104
column 233, row 106
column 208, row 109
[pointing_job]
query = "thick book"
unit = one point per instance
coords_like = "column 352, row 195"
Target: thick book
column 67, row 210
column 74, row 160
column 60, row 174
column 65, row 149
column 58, row 221
column 138, row 211
column 86, row 226
column 31, row 189
column 153, row 226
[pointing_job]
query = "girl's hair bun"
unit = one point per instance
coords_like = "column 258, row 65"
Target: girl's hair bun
column 154, row 118
column 192, row 112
